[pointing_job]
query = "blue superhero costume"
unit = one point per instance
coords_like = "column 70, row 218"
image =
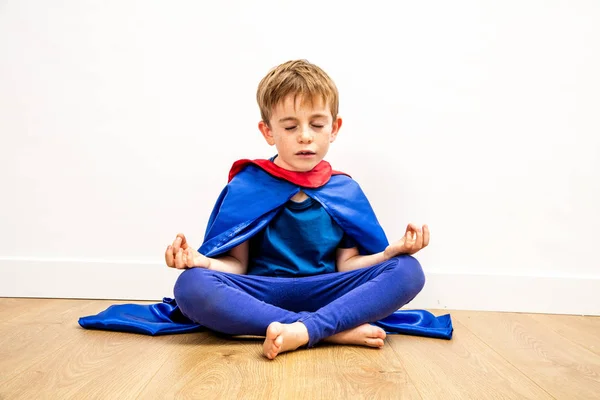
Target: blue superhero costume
column 235, row 219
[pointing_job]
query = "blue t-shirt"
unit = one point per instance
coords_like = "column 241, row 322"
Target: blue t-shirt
column 301, row 240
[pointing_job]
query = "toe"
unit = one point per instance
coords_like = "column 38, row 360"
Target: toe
column 377, row 332
column 271, row 353
column 375, row 343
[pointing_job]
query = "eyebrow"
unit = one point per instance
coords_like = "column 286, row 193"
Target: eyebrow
column 296, row 119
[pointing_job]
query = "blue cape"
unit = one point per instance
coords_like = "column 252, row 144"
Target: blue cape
column 234, row 220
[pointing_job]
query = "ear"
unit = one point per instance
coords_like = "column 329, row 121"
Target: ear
column 337, row 124
column 264, row 128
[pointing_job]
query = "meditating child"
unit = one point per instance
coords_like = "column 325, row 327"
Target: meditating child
column 293, row 250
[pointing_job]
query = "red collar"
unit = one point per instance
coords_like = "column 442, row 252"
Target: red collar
column 316, row 177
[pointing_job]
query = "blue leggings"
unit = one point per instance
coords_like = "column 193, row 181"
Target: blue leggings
column 326, row 304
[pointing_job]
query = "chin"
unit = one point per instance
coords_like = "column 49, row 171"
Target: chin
column 307, row 166
column 301, row 165
column 300, row 168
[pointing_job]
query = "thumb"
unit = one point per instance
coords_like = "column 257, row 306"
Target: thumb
column 402, row 242
column 190, row 258
column 184, row 244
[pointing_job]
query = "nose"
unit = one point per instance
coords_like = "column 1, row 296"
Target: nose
column 306, row 136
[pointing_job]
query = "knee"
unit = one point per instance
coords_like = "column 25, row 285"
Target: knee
column 410, row 273
column 191, row 288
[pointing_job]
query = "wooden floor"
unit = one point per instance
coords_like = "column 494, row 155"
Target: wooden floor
column 45, row 354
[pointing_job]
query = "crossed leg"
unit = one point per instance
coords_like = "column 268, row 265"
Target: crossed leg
column 294, row 312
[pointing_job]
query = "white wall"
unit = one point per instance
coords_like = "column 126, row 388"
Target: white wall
column 119, row 121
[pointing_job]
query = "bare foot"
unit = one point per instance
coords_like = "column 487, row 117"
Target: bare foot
column 363, row 335
column 284, row 337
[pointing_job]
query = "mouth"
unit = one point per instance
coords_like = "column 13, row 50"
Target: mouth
column 305, row 153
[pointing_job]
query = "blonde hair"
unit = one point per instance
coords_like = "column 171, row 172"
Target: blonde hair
column 300, row 78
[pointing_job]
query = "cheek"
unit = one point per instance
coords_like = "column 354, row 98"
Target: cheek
column 328, row 138
column 283, row 142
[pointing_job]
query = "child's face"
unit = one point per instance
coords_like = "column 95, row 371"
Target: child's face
column 301, row 132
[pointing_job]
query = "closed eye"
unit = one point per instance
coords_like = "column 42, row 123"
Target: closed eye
column 291, row 128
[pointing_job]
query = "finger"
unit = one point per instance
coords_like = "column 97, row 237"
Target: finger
column 190, row 258
column 419, row 240
column 184, row 244
column 187, row 258
column 413, row 227
column 411, row 237
column 411, row 233
column 425, row 235
column 176, row 245
column 179, row 260
column 169, row 257
column 183, row 259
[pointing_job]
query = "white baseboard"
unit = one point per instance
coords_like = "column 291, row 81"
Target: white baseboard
column 123, row 280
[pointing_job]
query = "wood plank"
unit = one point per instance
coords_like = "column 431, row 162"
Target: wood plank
column 96, row 364
column 45, row 354
column 54, row 311
column 12, row 307
column 461, row 368
column 39, row 331
column 216, row 368
column 346, row 372
column 223, row 368
column 21, row 347
column 564, row 369
column 584, row 331
column 57, row 311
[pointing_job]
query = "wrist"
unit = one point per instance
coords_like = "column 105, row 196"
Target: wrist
column 386, row 254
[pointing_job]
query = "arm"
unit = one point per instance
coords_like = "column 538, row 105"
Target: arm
column 181, row 256
column 413, row 240
column 349, row 259
column 235, row 262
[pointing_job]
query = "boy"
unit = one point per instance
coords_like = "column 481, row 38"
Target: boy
column 293, row 250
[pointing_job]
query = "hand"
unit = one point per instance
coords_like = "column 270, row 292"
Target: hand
column 414, row 240
column 181, row 256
